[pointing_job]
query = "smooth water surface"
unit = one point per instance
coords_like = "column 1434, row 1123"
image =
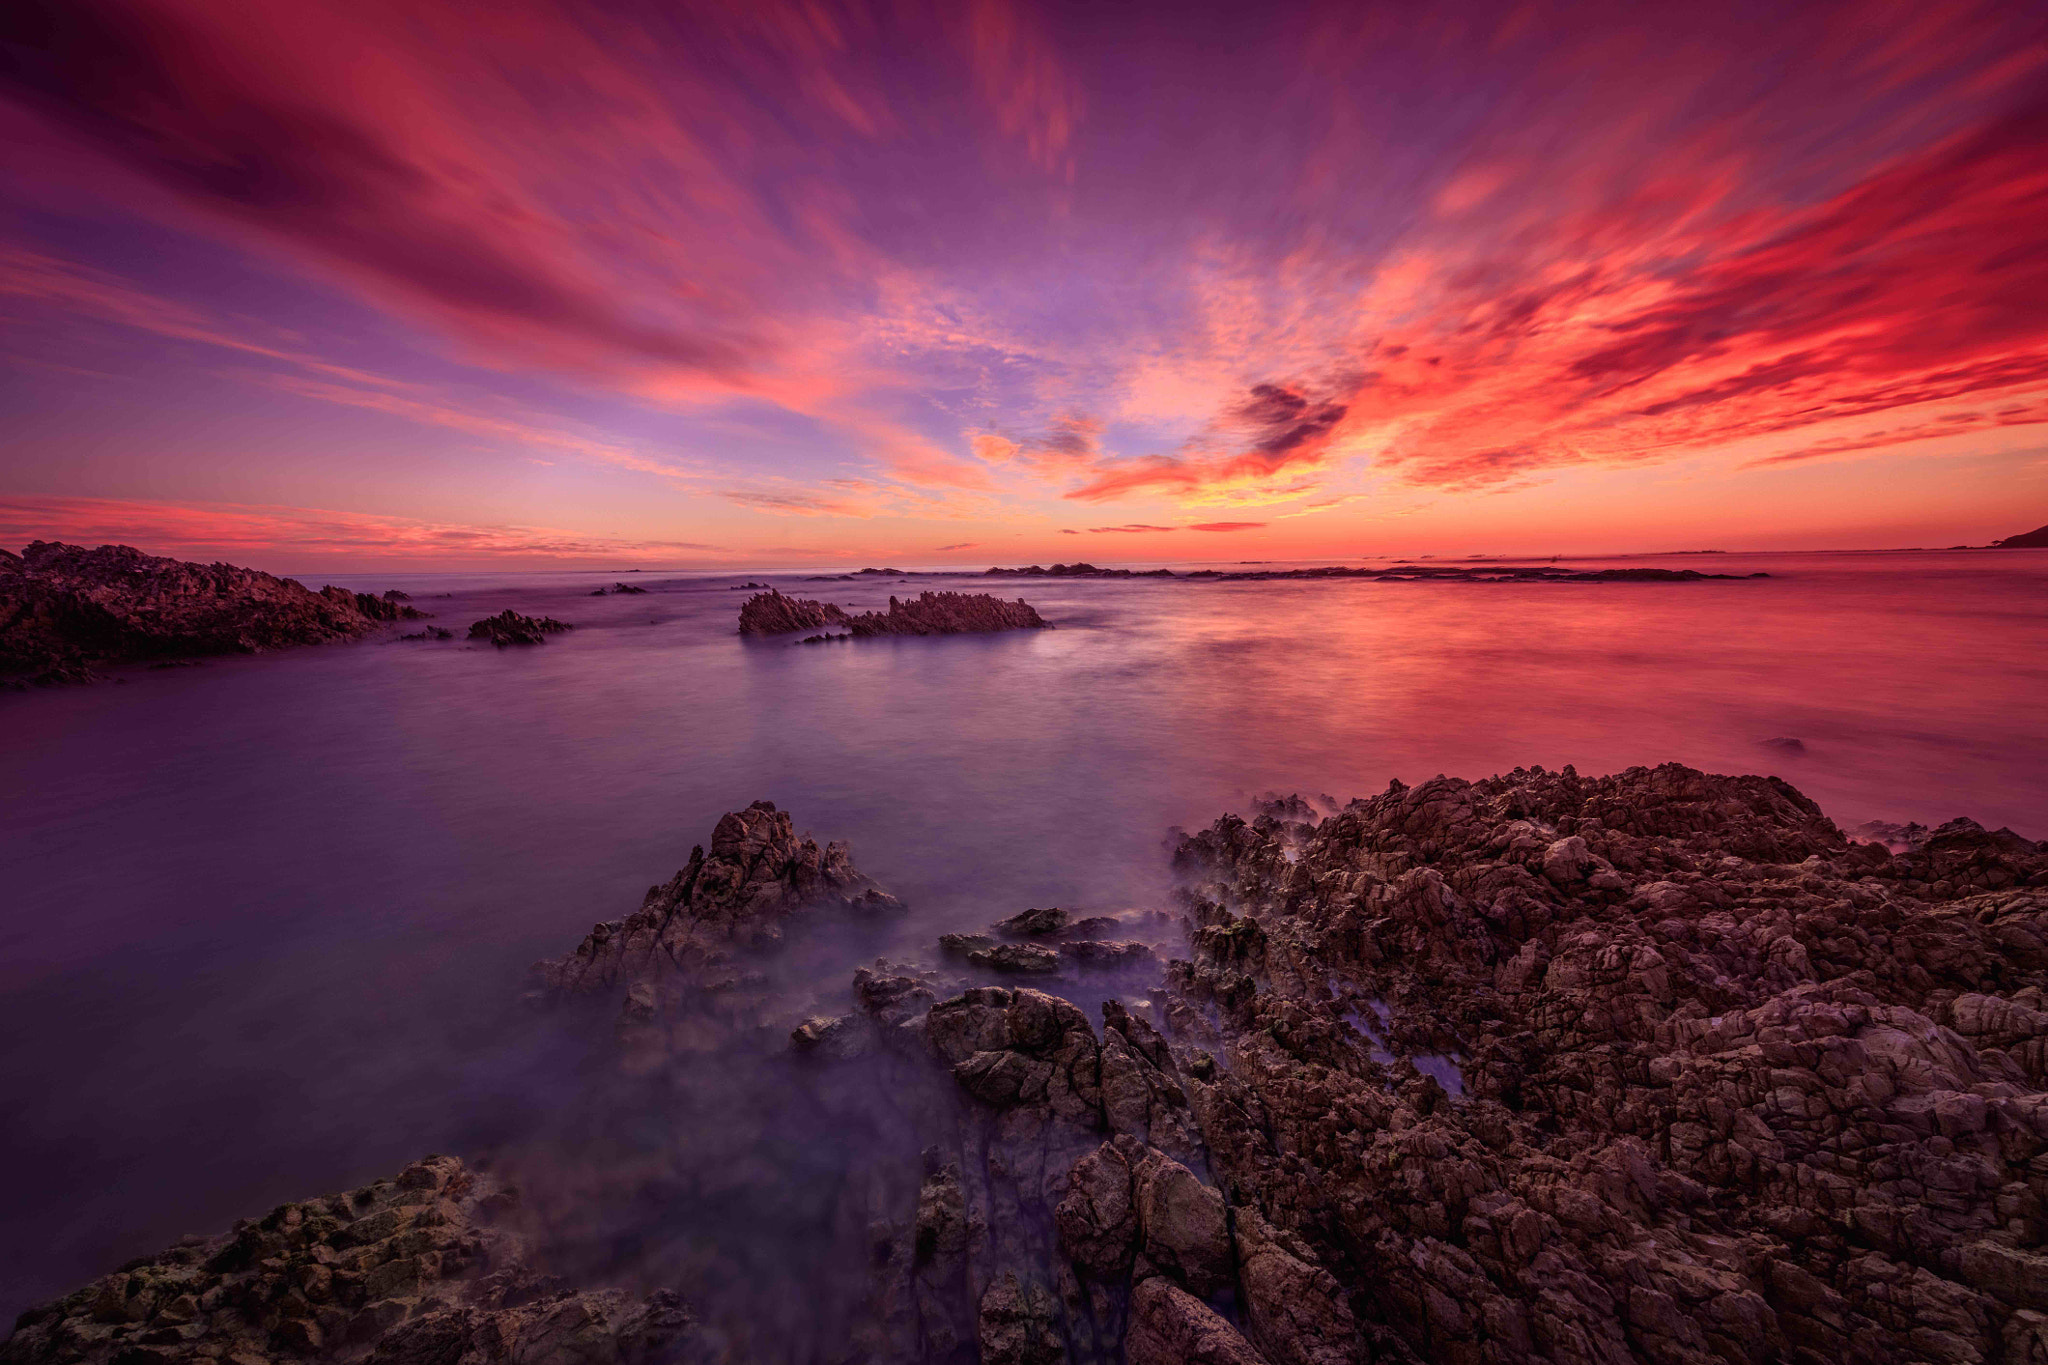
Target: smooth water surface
column 263, row 922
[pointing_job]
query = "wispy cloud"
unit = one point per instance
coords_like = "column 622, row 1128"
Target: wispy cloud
column 983, row 263
column 202, row 530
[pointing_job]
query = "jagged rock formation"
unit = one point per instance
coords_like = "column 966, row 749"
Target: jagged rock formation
column 929, row 613
column 1657, row 1066
column 390, row 606
column 420, row 1270
column 65, row 609
column 947, row 613
column 1739, row 1089
column 757, row 875
column 508, row 627
column 771, row 613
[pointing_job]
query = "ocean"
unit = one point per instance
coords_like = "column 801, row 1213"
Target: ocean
column 263, row 922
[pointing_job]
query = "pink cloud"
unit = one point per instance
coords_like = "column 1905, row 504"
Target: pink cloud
column 272, row 534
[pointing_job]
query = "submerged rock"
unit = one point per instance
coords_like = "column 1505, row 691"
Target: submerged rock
column 65, row 609
column 508, row 627
column 1017, row 957
column 1034, row 923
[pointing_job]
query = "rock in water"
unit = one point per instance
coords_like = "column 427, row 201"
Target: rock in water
column 508, row 627
column 929, row 613
column 64, row 609
column 1656, row 1066
column 948, row 613
column 414, row 1271
column 757, row 875
column 770, row 613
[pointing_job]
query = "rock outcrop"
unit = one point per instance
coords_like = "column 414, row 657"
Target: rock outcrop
column 65, row 609
column 947, row 613
column 1735, row 1087
column 929, row 613
column 1657, row 1066
column 508, row 627
column 758, row 875
column 1651, row 1067
column 425, row 1269
column 771, row 613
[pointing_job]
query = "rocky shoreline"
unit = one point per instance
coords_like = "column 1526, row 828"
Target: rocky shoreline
column 66, row 611
column 1656, row 1066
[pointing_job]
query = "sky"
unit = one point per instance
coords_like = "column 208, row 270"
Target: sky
column 354, row 283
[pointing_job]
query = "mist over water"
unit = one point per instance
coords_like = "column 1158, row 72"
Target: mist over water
column 263, row 923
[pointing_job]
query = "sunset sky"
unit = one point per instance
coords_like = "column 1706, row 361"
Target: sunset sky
column 347, row 282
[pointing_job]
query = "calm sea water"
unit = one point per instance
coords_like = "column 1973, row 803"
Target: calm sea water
column 262, row 923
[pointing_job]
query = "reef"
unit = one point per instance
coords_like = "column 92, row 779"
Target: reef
column 508, row 627
column 772, row 613
column 929, row 613
column 1658, row 1066
column 66, row 610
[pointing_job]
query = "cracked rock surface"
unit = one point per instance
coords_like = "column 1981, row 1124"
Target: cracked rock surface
column 420, row 1270
column 1658, row 1066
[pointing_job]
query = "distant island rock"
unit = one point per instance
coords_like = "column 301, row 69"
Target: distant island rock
column 929, row 613
column 508, row 627
column 1083, row 570
column 2036, row 539
column 65, row 609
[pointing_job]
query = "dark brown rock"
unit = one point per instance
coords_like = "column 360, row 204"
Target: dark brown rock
column 947, row 613
column 929, row 613
column 508, row 627
column 1017, row 957
column 1034, row 923
column 771, row 613
column 1169, row 1326
column 413, row 1271
column 758, row 875
column 65, row 609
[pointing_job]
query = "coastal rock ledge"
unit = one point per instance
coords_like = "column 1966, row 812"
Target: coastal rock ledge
column 1659, row 1066
column 424, row 1269
column 65, row 609
column 929, row 613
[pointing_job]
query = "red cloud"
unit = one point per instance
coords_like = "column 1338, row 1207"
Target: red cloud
column 285, row 537
column 1226, row 526
column 1922, row 285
